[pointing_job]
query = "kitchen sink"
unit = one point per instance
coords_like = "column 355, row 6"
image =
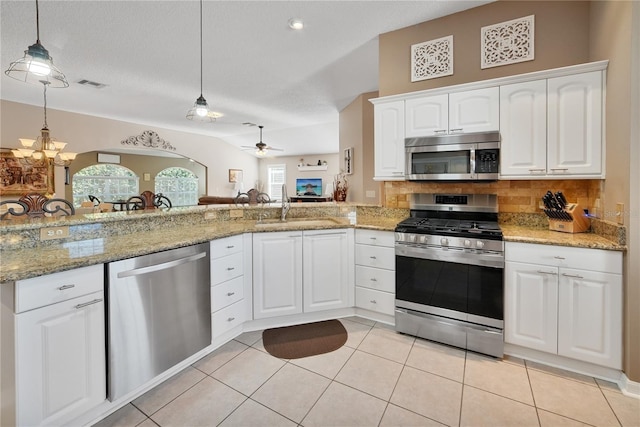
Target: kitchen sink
column 296, row 223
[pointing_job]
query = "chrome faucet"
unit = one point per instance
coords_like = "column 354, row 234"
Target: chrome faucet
column 286, row 203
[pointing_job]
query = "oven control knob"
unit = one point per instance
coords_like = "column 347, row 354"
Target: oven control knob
column 467, row 243
column 479, row 244
column 412, row 238
column 444, row 241
column 423, row 239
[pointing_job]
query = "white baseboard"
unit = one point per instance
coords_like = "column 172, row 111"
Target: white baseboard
column 629, row 388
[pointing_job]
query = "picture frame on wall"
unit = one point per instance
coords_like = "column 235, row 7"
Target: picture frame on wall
column 348, row 161
column 235, row 175
column 25, row 176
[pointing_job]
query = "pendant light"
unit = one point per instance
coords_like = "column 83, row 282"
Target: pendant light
column 36, row 65
column 200, row 110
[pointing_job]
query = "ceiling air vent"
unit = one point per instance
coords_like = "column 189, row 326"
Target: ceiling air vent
column 96, row 85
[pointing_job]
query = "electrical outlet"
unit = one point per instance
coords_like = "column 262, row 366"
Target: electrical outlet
column 370, row 193
column 236, row 213
column 620, row 213
column 50, row 233
column 209, row 215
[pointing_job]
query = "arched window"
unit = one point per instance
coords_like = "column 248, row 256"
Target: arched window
column 180, row 185
column 105, row 181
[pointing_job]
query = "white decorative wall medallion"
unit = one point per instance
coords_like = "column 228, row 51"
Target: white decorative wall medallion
column 507, row 42
column 432, row 59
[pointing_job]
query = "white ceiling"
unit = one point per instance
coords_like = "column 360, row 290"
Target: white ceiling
column 256, row 69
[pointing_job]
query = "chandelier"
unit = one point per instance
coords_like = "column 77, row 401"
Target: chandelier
column 44, row 147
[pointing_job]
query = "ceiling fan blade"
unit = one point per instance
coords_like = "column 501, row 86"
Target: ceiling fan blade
column 274, row 149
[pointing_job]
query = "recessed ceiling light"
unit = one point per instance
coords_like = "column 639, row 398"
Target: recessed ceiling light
column 296, row 23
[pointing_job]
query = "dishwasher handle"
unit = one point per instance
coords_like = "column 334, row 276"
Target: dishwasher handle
column 162, row 266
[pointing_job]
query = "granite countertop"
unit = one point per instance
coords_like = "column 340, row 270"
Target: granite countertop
column 517, row 233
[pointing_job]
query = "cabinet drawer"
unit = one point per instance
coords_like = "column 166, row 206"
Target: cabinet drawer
column 57, row 287
column 376, row 278
column 565, row 256
column 226, row 268
column 226, row 246
column 227, row 293
column 228, row 318
column 382, row 302
column 375, row 237
column 376, row 256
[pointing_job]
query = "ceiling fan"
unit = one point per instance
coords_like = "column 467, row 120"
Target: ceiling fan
column 261, row 148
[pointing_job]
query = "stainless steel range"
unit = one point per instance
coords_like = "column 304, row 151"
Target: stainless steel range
column 450, row 270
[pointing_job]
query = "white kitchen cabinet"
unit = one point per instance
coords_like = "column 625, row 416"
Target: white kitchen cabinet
column 57, row 350
column 523, row 129
column 277, row 274
column 458, row 112
column 230, row 285
column 574, row 129
column 375, row 271
column 327, row 269
column 389, row 141
column 565, row 301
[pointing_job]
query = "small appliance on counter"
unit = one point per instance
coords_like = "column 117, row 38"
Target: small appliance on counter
column 563, row 216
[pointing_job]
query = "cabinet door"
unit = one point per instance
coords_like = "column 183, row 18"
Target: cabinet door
column 326, row 283
column 531, row 306
column 427, row 116
column 389, row 141
column 590, row 317
column 523, row 129
column 60, row 360
column 277, row 274
column 474, row 110
column 575, row 125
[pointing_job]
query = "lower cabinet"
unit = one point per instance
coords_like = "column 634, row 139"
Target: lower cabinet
column 57, row 349
column 565, row 301
column 375, row 271
column 296, row 272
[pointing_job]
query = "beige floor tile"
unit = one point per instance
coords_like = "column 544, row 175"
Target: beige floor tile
column 494, row 375
column 430, row 395
column 481, row 408
column 127, row 416
column 292, row 391
column 327, row 364
column 371, row 374
column 438, row 359
column 206, row 404
column 571, row 399
column 356, row 332
column 395, row 416
column 381, row 325
column 147, row 423
column 251, row 413
column 259, row 345
column 220, row 356
column 249, row 338
column 388, row 344
column 359, row 319
column 164, row 393
column 344, row 406
column 585, row 379
column 548, row 419
column 513, row 360
column 248, row 370
column 626, row 408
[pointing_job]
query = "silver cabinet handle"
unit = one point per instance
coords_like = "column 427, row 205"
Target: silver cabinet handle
column 456, row 130
column 373, row 301
column 63, row 287
column 537, row 170
column 372, row 238
column 372, row 257
column 547, row 272
column 229, row 294
column 231, row 319
column 577, row 276
column 373, row 279
column 559, row 257
column 559, row 169
column 162, row 266
column 230, row 247
column 95, row 301
column 398, row 173
column 440, row 131
column 230, row 268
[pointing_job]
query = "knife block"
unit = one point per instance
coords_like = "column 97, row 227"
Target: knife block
column 577, row 224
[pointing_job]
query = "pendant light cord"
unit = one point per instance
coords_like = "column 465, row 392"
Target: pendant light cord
column 200, row 48
column 37, row 22
column 45, row 104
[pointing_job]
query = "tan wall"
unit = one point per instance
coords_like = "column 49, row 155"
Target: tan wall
column 561, row 39
column 140, row 164
column 291, row 163
column 356, row 131
column 85, row 133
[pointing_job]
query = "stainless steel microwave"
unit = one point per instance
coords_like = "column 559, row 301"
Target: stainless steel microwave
column 465, row 156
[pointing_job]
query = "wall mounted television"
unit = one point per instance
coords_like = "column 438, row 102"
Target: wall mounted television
column 311, row 187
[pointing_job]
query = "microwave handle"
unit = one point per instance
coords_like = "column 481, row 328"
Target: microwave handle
column 472, row 159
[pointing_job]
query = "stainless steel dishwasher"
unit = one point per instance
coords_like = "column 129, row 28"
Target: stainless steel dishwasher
column 159, row 314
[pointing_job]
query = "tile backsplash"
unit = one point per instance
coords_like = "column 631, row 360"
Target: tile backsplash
column 513, row 196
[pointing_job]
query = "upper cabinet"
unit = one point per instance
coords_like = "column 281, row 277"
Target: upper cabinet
column 458, row 112
column 552, row 127
column 389, row 141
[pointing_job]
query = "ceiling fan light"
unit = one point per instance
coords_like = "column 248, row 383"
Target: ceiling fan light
column 296, row 24
column 261, row 153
